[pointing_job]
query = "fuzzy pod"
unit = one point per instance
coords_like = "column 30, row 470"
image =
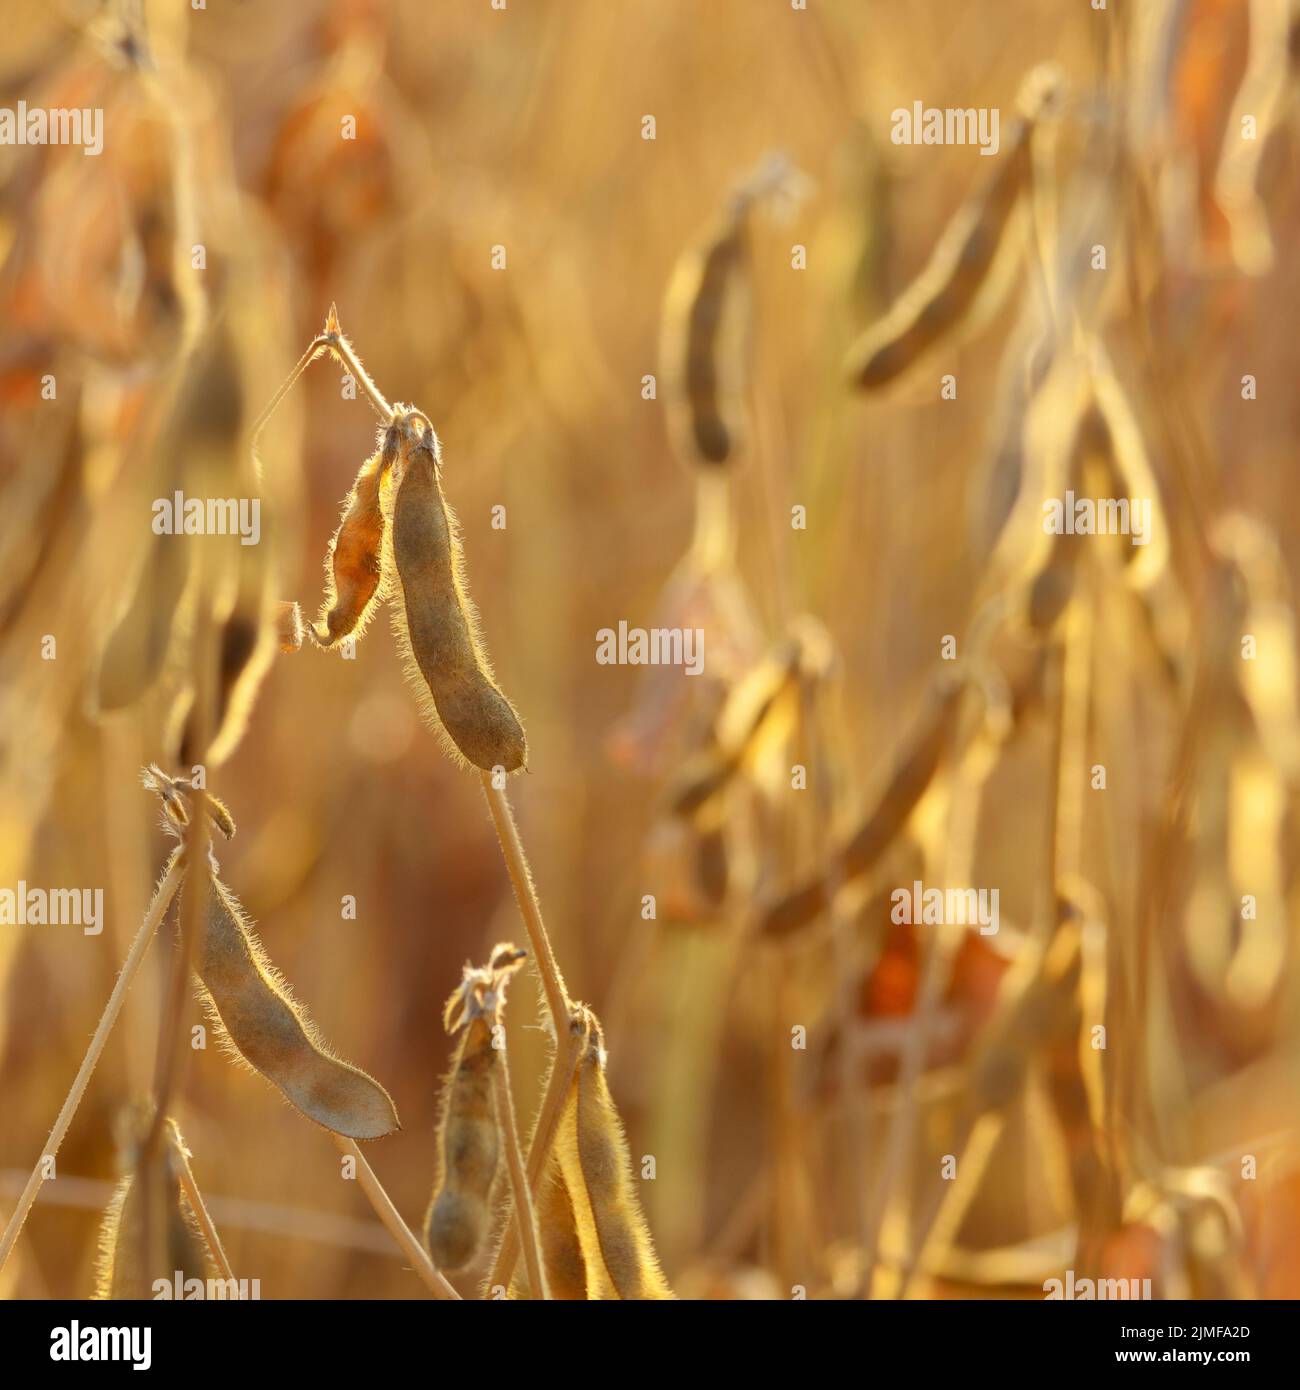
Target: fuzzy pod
column 435, row 622
column 470, row 1153
column 245, row 648
column 268, row 1029
column 354, row 563
column 592, row 1149
column 290, row 629
column 174, row 794
column 946, row 291
column 120, row 1266
column 921, row 758
column 561, row 1248
column 961, row 279
column 704, row 326
column 757, row 711
column 196, row 450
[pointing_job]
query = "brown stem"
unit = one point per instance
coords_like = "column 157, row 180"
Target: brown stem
column 433, row 1278
column 512, row 849
column 171, row 1054
column 548, row 1123
column 525, row 1218
column 347, row 354
column 197, row 1205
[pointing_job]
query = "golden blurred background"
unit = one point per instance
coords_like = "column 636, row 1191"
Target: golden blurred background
column 228, row 210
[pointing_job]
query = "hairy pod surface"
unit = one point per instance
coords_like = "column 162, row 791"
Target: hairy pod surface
column 289, row 626
column 435, row 622
column 470, row 1152
column 561, row 1247
column 617, row 1250
column 354, row 562
column 120, row 1271
column 269, row 1030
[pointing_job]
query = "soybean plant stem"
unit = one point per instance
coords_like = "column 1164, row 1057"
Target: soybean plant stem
column 512, row 849
column 433, row 1278
column 347, row 354
column 331, row 341
column 158, row 905
column 314, row 349
column 567, row 1053
column 198, row 1206
column 525, row 1218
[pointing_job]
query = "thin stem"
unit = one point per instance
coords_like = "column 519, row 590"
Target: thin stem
column 512, row 849
column 942, row 1221
column 525, row 1217
column 172, row 1054
column 548, row 1123
column 433, row 1278
column 963, row 821
column 332, row 341
column 197, row 1205
column 314, row 350
column 343, row 349
column 158, row 905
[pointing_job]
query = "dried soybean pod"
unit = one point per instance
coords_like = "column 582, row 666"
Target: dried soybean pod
column 706, row 299
column 1050, row 584
column 435, row 622
column 470, row 1151
column 760, row 704
column 117, row 1274
column 245, row 647
column 120, row 1270
column 920, row 761
column 962, row 266
column 289, row 626
column 355, row 557
column 566, row 1270
column 935, row 304
column 562, row 1259
column 593, row 1153
column 137, row 646
column 176, row 806
column 268, row 1030
column 199, row 441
